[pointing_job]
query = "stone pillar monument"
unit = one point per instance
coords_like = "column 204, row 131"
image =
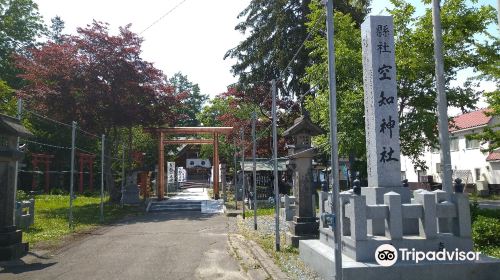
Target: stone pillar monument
column 11, row 246
column 304, row 224
column 381, row 114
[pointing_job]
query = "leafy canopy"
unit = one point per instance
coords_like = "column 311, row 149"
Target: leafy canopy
column 462, row 26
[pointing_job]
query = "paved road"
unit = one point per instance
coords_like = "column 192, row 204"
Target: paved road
column 169, row 245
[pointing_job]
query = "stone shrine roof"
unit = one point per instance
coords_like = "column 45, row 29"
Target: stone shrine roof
column 303, row 123
column 12, row 126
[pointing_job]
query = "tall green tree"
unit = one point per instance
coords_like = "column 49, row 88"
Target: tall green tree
column 276, row 30
column 56, row 29
column 193, row 102
column 491, row 135
column 462, row 26
column 20, row 26
column 349, row 71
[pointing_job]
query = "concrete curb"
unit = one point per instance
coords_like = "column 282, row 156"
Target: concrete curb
column 266, row 262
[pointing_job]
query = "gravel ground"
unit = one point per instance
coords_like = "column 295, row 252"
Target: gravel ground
column 288, row 259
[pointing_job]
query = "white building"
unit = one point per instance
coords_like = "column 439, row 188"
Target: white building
column 468, row 161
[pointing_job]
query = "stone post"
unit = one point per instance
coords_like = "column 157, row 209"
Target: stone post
column 462, row 223
column 357, row 211
column 428, row 223
column 11, row 246
column 394, row 223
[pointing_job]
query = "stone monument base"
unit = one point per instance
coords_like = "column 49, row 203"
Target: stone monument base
column 302, row 228
column 320, row 257
column 11, row 246
column 376, row 195
column 130, row 195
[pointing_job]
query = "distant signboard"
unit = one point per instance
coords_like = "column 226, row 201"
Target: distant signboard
column 171, row 172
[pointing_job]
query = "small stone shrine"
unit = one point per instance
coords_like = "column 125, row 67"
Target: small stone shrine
column 385, row 212
column 11, row 246
column 304, row 224
column 130, row 192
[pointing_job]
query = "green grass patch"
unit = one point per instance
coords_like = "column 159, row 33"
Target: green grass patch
column 285, row 259
column 260, row 212
column 52, row 212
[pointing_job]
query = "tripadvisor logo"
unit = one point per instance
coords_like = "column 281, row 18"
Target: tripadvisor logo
column 387, row 255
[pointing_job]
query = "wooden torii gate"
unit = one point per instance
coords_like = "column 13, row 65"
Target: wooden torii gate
column 214, row 131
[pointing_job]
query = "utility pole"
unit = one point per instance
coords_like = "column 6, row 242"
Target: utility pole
column 72, row 172
column 254, row 151
column 103, row 139
column 333, row 139
column 275, row 167
column 235, row 173
column 243, row 170
column 442, row 103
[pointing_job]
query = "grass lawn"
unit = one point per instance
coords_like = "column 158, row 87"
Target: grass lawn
column 51, row 216
column 260, row 212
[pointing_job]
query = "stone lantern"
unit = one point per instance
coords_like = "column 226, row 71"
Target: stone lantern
column 11, row 246
column 304, row 224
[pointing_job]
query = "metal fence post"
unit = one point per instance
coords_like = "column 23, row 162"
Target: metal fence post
column 243, row 170
column 72, row 172
column 254, row 148
column 103, row 139
column 275, row 164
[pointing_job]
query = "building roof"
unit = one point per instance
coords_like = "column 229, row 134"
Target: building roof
column 494, row 156
column 303, row 123
column 13, row 126
column 470, row 120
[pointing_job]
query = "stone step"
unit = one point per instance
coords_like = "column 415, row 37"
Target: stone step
column 175, row 206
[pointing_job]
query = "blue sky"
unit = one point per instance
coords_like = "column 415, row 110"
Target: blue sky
column 192, row 39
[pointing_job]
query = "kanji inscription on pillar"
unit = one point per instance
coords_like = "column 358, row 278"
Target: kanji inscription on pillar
column 381, row 102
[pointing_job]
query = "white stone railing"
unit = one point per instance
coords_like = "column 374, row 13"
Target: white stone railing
column 435, row 214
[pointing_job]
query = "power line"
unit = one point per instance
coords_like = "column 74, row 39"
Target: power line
column 60, row 123
column 88, row 133
column 47, row 145
column 163, row 16
column 300, row 48
column 46, row 118
column 85, row 151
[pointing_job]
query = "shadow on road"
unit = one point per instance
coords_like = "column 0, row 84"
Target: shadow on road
column 20, row 266
column 167, row 216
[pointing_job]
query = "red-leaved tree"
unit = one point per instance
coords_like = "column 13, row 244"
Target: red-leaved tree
column 100, row 81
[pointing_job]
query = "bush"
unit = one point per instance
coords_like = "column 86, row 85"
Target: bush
column 21, row 195
column 486, row 232
column 58, row 192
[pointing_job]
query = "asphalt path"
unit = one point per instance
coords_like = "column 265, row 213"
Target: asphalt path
column 167, row 245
